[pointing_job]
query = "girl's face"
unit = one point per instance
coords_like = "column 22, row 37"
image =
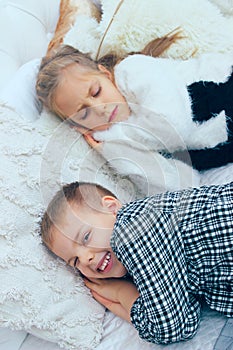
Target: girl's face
column 82, row 239
column 90, row 98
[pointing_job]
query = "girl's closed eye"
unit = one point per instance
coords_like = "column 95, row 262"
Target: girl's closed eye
column 95, row 89
column 83, row 113
column 96, row 92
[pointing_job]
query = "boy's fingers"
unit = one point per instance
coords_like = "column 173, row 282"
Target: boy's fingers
column 112, row 306
column 90, row 282
column 102, row 300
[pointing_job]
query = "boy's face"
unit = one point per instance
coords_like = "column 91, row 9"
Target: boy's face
column 90, row 98
column 82, row 239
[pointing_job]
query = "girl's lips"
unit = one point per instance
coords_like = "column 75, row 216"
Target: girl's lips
column 113, row 114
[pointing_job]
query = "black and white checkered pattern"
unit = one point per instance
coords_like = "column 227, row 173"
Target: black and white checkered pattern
column 178, row 248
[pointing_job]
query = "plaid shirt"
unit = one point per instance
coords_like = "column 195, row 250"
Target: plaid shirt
column 178, row 248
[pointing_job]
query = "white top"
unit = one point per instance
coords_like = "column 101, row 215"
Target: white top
column 161, row 119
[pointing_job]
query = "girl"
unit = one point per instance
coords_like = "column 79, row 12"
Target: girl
column 142, row 108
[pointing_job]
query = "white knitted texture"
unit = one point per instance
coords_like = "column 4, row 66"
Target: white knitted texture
column 38, row 293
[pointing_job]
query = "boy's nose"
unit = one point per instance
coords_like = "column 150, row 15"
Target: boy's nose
column 85, row 256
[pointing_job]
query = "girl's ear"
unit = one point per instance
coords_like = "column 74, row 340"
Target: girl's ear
column 111, row 204
column 106, row 71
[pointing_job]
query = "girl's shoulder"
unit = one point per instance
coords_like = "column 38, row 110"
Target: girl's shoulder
column 140, row 59
column 141, row 67
column 211, row 66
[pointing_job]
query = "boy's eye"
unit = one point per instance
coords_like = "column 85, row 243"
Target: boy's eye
column 86, row 237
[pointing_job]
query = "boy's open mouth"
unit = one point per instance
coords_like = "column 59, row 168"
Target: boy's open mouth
column 104, row 264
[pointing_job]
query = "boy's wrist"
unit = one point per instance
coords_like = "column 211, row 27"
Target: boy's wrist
column 128, row 294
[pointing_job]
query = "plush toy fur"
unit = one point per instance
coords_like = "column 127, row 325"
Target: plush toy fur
column 166, row 118
column 205, row 28
column 128, row 25
column 69, row 10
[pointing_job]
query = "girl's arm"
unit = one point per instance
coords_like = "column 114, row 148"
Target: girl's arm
column 149, row 170
column 208, row 158
column 160, row 87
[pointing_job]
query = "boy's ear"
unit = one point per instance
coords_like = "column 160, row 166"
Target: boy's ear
column 112, row 204
column 105, row 71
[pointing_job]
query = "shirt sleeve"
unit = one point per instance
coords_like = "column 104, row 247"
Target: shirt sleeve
column 160, row 87
column 149, row 170
column 166, row 311
column 208, row 158
column 155, row 83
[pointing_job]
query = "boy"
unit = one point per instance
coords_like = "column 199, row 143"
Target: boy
column 177, row 247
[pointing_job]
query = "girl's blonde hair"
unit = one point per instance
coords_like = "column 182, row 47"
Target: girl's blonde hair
column 50, row 71
column 50, row 74
column 80, row 193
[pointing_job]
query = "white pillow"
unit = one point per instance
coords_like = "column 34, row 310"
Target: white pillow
column 38, row 293
column 20, row 92
column 11, row 340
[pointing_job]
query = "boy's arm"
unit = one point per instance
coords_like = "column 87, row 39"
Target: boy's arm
column 123, row 299
column 117, row 295
column 152, row 249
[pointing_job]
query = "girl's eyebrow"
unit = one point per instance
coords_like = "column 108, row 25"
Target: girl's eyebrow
column 88, row 93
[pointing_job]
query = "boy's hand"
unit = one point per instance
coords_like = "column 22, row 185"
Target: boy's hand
column 116, row 295
column 112, row 306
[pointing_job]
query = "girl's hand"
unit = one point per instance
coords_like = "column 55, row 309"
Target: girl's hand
column 117, row 295
column 87, row 136
column 91, row 141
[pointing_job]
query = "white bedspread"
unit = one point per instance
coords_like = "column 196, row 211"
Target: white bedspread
column 119, row 335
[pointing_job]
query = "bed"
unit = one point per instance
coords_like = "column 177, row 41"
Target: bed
column 27, row 27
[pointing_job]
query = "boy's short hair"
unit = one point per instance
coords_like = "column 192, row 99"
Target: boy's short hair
column 80, row 193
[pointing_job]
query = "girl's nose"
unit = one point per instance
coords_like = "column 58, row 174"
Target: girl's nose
column 98, row 108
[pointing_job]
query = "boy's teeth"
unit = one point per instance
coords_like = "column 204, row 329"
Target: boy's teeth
column 105, row 262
